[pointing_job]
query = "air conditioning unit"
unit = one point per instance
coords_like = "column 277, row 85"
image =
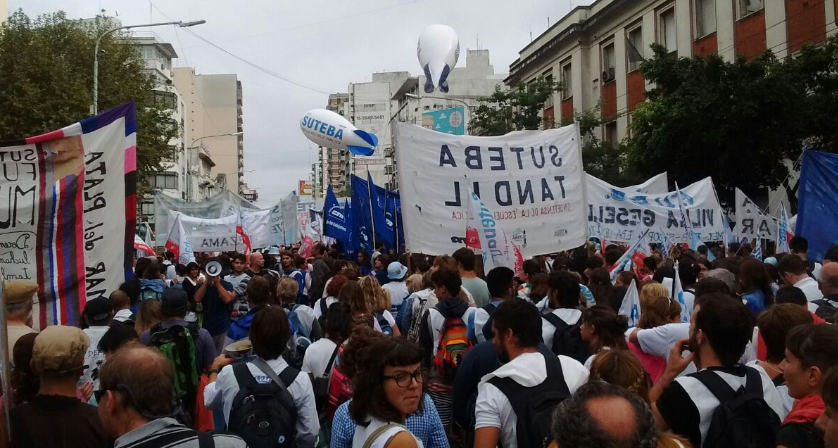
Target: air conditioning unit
column 608, row 75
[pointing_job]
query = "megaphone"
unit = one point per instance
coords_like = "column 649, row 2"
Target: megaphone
column 213, row 268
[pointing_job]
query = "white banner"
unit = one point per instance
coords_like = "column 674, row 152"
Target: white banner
column 533, row 183
column 223, row 204
column 257, row 225
column 619, row 214
column 656, row 185
column 210, row 235
column 751, row 222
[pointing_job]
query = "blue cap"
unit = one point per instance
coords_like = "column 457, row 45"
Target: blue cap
column 396, row 271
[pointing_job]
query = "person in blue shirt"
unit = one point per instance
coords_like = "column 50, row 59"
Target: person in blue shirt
column 501, row 284
column 755, row 285
column 424, row 424
column 215, row 295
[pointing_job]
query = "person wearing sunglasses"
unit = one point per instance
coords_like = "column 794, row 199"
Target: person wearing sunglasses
column 389, row 381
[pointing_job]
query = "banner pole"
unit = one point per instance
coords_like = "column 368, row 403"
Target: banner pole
column 369, row 200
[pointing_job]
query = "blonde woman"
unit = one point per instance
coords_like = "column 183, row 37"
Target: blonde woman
column 654, row 312
column 378, row 303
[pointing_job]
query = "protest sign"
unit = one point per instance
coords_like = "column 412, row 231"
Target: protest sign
column 223, row 204
column 210, row 235
column 619, row 214
column 68, row 212
column 750, row 221
column 533, row 183
column 485, row 234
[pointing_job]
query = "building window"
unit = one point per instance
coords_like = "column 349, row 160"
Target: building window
column 705, row 17
column 610, row 134
column 634, row 48
column 567, row 81
column 747, row 7
column 147, row 208
column 548, row 77
column 609, row 63
column 667, row 35
column 164, row 180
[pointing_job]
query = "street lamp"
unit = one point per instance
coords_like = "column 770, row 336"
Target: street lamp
column 99, row 41
column 192, row 145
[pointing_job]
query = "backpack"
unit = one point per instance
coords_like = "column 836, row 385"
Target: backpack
column 416, row 319
column 324, row 311
column 567, row 339
column 264, row 415
column 149, row 293
column 385, row 326
column 826, row 309
column 321, row 384
column 452, row 347
column 178, row 344
column 743, row 419
column 534, row 406
column 340, row 388
column 299, row 341
column 487, row 327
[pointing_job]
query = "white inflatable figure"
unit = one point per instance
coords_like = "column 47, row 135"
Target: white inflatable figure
column 438, row 51
column 326, row 128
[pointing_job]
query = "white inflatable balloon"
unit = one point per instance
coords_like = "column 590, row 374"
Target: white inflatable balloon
column 438, row 51
column 326, row 128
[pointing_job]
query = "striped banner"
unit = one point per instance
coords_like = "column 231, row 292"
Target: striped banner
column 59, row 195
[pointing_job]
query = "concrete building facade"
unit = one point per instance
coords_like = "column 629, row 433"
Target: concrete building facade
column 595, row 51
column 215, row 127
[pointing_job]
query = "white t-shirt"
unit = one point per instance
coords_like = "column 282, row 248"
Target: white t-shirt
column 810, row 288
column 219, row 395
column 493, row 410
column 388, row 317
column 329, row 302
column 659, row 340
column 398, row 292
column 569, row 315
column 317, row 357
column 93, row 358
column 362, row 433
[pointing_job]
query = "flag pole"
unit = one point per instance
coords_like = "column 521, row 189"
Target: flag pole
column 369, row 199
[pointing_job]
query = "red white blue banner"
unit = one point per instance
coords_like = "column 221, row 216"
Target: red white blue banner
column 68, row 212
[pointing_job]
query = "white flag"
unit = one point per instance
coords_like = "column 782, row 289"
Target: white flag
column 678, row 294
column 784, row 234
column 631, row 305
column 178, row 243
column 485, row 233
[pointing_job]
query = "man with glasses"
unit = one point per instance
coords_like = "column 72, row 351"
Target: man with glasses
column 135, row 403
column 55, row 417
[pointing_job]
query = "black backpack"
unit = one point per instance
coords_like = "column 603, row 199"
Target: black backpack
column 487, row 327
column 826, row 309
column 567, row 339
column 264, row 415
column 743, row 419
column 324, row 311
column 534, row 406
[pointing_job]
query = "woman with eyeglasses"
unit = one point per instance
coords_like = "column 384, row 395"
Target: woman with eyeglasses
column 389, row 382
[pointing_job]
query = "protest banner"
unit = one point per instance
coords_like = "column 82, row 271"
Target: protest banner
column 484, row 233
column 222, row 204
column 533, row 183
column 335, row 224
column 288, row 214
column 68, row 212
column 750, row 221
column 210, row 235
column 618, row 214
column 817, row 211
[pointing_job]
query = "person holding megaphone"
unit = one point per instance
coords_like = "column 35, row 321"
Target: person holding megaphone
column 214, row 295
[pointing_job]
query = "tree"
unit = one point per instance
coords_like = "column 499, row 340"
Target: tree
column 514, row 109
column 46, row 66
column 600, row 159
column 735, row 121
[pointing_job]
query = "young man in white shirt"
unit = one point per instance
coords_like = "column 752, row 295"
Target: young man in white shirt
column 239, row 279
column 563, row 298
column 516, row 339
column 397, row 287
column 501, row 281
column 719, row 332
column 793, row 272
column 269, row 334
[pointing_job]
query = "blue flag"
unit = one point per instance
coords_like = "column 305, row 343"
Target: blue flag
column 378, row 201
column 818, row 206
column 362, row 224
column 335, row 223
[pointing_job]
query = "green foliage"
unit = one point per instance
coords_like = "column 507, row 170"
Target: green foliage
column 514, row 109
column 601, row 159
column 735, row 121
column 46, row 67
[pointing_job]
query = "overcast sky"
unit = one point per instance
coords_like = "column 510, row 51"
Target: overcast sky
column 324, row 44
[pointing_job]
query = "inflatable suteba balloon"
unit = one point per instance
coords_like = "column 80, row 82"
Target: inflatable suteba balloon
column 326, row 128
column 438, row 51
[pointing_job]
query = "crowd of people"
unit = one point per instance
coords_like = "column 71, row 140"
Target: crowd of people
column 400, row 351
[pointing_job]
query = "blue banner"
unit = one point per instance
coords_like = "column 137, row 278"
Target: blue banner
column 335, row 223
column 378, row 199
column 362, row 233
column 817, row 211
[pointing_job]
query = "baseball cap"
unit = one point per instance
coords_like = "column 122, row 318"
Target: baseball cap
column 396, row 271
column 98, row 309
column 59, row 349
column 18, row 291
column 174, row 302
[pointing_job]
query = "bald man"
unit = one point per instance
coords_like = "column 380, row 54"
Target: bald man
column 602, row 414
column 828, row 305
